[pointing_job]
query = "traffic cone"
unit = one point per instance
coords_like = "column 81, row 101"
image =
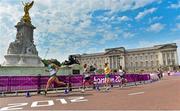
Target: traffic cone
column 66, row 91
column 28, row 94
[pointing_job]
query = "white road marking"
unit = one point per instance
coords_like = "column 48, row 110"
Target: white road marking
column 135, row 93
column 63, row 101
column 35, row 103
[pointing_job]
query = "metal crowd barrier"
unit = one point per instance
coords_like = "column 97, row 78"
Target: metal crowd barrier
column 25, row 83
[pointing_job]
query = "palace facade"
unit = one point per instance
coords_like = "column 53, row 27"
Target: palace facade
column 134, row 60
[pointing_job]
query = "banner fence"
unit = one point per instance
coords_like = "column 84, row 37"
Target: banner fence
column 17, row 83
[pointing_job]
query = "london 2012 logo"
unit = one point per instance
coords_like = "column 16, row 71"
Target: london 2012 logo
column 43, row 103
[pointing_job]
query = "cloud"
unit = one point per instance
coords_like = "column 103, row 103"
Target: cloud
column 144, row 13
column 155, row 19
column 175, row 6
column 178, row 17
column 124, row 18
column 177, row 27
column 141, row 3
column 64, row 26
column 128, row 34
column 8, row 14
column 156, row 27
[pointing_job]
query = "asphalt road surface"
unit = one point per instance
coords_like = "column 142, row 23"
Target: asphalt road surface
column 163, row 95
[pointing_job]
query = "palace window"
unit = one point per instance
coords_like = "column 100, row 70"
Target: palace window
column 151, row 57
column 157, row 63
column 131, row 64
column 169, row 61
column 140, row 57
column 136, row 58
column 151, row 63
column 173, row 62
column 146, row 63
column 141, row 64
column 136, row 64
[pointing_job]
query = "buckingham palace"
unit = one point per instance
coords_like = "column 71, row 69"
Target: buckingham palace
column 133, row 60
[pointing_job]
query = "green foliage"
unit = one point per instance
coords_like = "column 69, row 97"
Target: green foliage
column 45, row 62
column 55, row 61
column 100, row 71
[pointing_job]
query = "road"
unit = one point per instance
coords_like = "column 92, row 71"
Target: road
column 163, row 94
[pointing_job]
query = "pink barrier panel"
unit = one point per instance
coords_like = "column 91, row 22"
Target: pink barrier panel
column 14, row 83
column 76, row 80
column 131, row 77
column 42, row 81
column 177, row 74
column 23, row 83
column 4, row 83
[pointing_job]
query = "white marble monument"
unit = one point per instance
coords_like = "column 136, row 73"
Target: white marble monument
column 22, row 52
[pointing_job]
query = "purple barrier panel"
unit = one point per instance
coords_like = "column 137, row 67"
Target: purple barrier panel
column 23, row 83
column 146, row 77
column 176, row 74
column 130, row 77
column 136, row 77
column 115, row 78
column 99, row 78
column 14, row 83
column 43, row 82
column 76, row 80
column 65, row 79
column 4, row 84
column 140, row 77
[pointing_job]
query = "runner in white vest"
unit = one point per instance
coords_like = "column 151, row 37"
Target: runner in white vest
column 86, row 78
column 52, row 69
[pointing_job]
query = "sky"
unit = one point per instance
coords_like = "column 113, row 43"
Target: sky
column 65, row 27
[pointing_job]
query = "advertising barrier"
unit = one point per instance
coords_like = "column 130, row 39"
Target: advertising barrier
column 17, row 83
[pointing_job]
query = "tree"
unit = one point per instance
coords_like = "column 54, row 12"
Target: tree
column 71, row 60
column 55, row 61
column 45, row 62
column 92, row 68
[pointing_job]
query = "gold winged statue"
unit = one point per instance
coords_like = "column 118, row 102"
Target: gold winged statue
column 26, row 16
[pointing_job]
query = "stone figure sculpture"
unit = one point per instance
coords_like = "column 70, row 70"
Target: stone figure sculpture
column 27, row 7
